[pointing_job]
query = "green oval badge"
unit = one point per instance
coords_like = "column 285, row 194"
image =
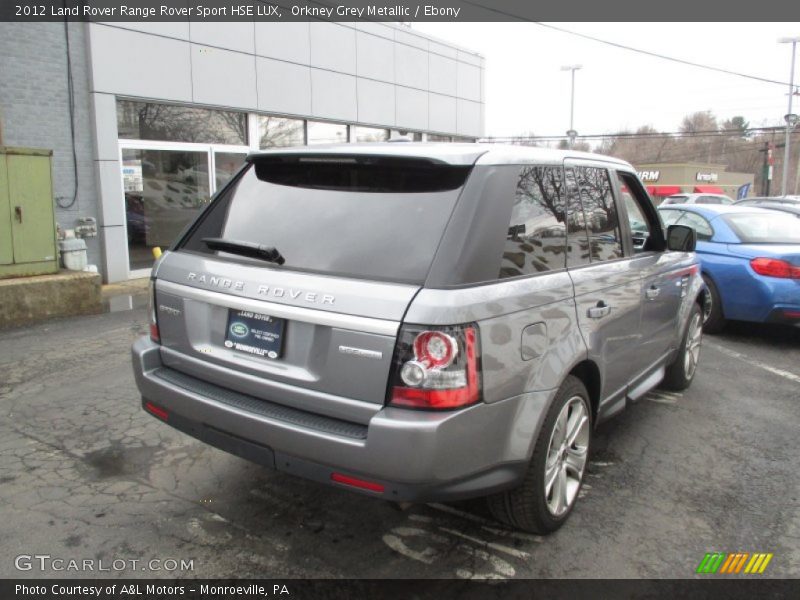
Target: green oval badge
column 239, row 329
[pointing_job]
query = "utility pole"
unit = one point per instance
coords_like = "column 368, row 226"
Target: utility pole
column 790, row 118
column 571, row 133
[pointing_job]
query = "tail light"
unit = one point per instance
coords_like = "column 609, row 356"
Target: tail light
column 774, row 267
column 151, row 311
column 436, row 368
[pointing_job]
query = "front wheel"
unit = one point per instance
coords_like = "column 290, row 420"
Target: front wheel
column 681, row 372
column 555, row 474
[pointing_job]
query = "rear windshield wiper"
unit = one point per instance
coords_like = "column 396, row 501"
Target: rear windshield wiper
column 251, row 249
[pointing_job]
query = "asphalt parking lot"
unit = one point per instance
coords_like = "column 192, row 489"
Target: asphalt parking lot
column 85, row 474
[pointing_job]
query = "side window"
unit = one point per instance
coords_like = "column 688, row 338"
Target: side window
column 708, row 200
column 577, row 239
column 643, row 228
column 670, row 217
column 537, row 233
column 699, row 224
column 602, row 221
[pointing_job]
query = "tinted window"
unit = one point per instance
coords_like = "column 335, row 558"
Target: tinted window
column 675, row 199
column 759, row 228
column 381, row 220
column 699, row 224
column 537, row 233
column 577, row 239
column 279, row 132
column 602, row 221
column 641, row 228
column 711, row 200
column 174, row 123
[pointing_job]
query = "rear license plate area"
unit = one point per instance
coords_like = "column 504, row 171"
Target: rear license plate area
column 254, row 333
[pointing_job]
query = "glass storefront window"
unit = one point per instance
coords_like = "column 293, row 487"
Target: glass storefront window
column 277, row 132
column 434, row 137
column 414, row 136
column 326, row 133
column 164, row 190
column 226, row 165
column 173, row 123
column 370, row 134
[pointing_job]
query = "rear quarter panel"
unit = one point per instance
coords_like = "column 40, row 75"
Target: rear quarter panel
column 534, row 316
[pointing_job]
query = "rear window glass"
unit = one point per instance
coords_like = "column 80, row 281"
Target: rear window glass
column 379, row 219
column 757, row 228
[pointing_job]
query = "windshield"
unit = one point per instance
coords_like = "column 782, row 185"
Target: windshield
column 380, row 220
column 758, row 228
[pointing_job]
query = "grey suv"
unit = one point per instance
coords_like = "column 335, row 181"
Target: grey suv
column 422, row 322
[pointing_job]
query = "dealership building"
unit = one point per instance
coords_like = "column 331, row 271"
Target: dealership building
column 147, row 120
column 666, row 179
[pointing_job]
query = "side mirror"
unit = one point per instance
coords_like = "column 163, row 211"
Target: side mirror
column 681, row 238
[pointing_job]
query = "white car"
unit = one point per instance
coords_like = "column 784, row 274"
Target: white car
column 697, row 199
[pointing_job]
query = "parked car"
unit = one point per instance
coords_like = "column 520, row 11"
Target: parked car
column 785, row 204
column 750, row 261
column 697, row 199
column 422, row 322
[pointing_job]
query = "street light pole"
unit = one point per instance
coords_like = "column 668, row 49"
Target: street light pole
column 790, row 119
column 572, row 133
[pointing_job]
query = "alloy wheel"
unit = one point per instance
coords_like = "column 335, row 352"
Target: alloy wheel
column 566, row 456
column 694, row 338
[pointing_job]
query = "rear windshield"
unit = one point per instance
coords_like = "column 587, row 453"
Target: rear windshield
column 368, row 218
column 757, row 228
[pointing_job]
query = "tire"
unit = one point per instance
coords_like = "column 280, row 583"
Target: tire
column 681, row 372
column 532, row 506
column 713, row 317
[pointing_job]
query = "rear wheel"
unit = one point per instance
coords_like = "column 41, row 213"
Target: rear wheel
column 680, row 373
column 555, row 474
column 713, row 319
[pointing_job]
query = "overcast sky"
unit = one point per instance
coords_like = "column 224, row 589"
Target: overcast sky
column 617, row 89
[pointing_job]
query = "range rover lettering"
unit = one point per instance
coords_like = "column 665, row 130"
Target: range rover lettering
column 421, row 322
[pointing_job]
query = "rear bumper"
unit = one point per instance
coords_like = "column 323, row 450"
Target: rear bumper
column 415, row 455
column 785, row 315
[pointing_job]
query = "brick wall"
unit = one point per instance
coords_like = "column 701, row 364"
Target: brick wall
column 34, row 110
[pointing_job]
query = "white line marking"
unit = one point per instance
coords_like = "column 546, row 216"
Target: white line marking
column 502, row 570
column 462, row 514
column 527, row 537
column 499, row 547
column 660, row 400
column 427, row 556
column 756, row 363
column 422, row 518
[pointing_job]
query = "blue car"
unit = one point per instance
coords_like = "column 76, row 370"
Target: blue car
column 750, row 260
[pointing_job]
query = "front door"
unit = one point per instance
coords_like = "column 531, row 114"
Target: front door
column 663, row 282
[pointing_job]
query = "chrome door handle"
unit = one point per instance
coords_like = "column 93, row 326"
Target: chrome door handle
column 599, row 311
column 652, row 292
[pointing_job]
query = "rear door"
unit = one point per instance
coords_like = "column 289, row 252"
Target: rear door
column 608, row 287
column 357, row 237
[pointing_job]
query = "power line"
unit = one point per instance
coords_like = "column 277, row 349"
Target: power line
column 635, row 135
column 662, row 56
column 629, row 48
